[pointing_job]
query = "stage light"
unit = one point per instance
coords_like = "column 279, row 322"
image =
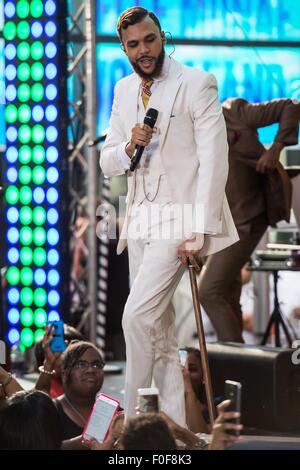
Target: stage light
column 10, row 92
column 27, row 337
column 9, row 9
column 53, row 277
column 26, row 296
column 13, row 235
column 10, row 72
column 51, row 92
column 40, row 318
column 23, row 30
column 36, row 8
column 25, row 174
column 52, row 196
column 52, row 216
column 39, row 236
column 24, row 92
column 52, row 236
column 53, row 257
column 13, row 255
column 22, row 9
column 23, row 72
column 26, row 215
column 50, row 50
column 23, row 51
column 39, row 257
column 13, row 275
column 37, row 92
column 36, row 29
column 37, row 71
column 25, row 195
column 12, row 215
column 52, row 175
column 51, row 113
column 52, row 154
column 26, row 316
column 13, row 295
column 53, row 298
column 37, row 50
column 40, row 277
column 24, row 113
column 36, row 138
column 39, row 216
column 38, row 175
column 37, row 113
column 53, row 316
column 26, row 256
column 13, row 336
column 12, row 195
column 51, row 71
column 11, row 175
column 50, row 7
column 38, row 195
column 38, row 134
column 39, row 334
column 10, row 51
column 26, row 276
column 11, row 134
column 13, row 316
column 12, row 154
column 50, row 29
column 38, row 154
column 9, row 31
column 24, row 134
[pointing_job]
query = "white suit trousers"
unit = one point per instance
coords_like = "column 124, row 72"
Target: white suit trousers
column 149, row 324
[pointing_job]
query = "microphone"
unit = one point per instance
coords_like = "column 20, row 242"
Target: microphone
column 150, row 120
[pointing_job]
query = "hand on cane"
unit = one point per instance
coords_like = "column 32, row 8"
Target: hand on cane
column 189, row 250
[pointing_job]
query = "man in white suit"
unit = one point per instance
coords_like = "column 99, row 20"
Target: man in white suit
column 184, row 165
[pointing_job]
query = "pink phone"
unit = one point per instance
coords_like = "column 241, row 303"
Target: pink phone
column 103, row 412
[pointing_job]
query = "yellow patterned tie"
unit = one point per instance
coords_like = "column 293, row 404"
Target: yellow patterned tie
column 146, row 92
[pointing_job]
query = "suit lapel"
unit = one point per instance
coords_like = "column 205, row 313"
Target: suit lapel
column 130, row 104
column 172, row 85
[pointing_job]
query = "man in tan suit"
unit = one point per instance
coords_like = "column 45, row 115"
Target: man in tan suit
column 176, row 203
column 259, row 194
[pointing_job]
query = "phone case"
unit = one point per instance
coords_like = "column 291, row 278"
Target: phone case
column 233, row 392
column 84, row 439
column 58, row 342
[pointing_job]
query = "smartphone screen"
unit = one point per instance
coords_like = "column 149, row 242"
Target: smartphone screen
column 101, row 417
column 182, row 357
column 148, row 400
column 233, row 392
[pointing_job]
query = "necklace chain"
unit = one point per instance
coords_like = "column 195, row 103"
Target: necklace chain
column 75, row 409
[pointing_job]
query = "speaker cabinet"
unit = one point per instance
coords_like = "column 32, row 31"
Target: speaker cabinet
column 270, row 383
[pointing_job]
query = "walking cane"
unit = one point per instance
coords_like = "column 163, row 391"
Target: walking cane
column 202, row 344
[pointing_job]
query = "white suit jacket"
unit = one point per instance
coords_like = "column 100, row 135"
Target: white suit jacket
column 193, row 147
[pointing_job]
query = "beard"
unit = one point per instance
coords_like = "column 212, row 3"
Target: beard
column 157, row 69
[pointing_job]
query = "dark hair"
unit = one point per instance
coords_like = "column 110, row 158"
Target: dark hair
column 69, row 333
column 147, row 431
column 194, row 351
column 73, row 353
column 132, row 16
column 29, row 420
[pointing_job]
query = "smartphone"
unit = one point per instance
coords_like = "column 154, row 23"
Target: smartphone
column 233, row 392
column 183, row 354
column 99, row 421
column 58, row 341
column 148, row 400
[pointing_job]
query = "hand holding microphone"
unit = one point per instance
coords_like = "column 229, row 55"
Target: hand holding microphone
column 141, row 137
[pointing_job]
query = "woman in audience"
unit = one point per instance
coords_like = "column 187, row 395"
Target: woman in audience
column 29, row 421
column 82, row 379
